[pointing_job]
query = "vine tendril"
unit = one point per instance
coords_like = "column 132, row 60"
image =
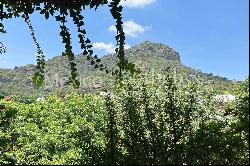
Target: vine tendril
column 60, row 10
column 38, row 78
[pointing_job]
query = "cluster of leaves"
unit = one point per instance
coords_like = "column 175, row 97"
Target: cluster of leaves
column 240, row 110
column 153, row 119
column 163, row 121
column 7, row 134
column 61, row 10
column 59, row 132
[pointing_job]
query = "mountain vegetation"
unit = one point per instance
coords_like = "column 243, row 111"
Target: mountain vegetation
column 139, row 106
column 148, row 57
column 62, row 11
column 166, row 115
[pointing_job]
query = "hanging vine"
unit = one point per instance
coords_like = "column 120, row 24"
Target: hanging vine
column 39, row 74
column 123, row 64
column 61, row 9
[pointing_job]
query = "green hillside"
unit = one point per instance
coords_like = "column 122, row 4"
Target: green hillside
column 148, row 56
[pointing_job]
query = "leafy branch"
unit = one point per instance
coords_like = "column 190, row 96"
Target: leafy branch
column 17, row 8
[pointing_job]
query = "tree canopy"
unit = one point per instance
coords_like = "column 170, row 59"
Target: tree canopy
column 62, row 10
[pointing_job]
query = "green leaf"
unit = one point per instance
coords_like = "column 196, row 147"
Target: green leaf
column 46, row 15
column 76, row 84
column 38, row 79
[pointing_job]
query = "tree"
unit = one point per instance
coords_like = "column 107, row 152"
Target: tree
column 60, row 9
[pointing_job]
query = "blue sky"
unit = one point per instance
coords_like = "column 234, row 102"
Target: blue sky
column 210, row 35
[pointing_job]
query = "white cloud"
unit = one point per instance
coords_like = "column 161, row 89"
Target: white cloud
column 131, row 28
column 136, row 3
column 127, row 46
column 108, row 48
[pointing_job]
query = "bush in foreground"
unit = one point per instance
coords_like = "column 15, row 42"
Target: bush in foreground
column 147, row 120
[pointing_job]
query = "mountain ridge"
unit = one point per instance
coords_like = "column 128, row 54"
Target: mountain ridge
column 147, row 56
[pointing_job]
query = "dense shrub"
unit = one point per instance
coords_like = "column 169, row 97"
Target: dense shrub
column 60, row 131
column 152, row 119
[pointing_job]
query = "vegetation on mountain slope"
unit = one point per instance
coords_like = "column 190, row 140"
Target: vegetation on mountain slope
column 148, row 56
column 62, row 11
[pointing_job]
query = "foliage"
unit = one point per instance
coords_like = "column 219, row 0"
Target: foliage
column 240, row 110
column 1, row 96
column 60, row 10
column 7, row 134
column 60, row 131
column 148, row 56
column 151, row 119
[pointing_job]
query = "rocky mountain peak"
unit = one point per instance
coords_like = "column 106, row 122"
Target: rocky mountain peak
column 149, row 48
